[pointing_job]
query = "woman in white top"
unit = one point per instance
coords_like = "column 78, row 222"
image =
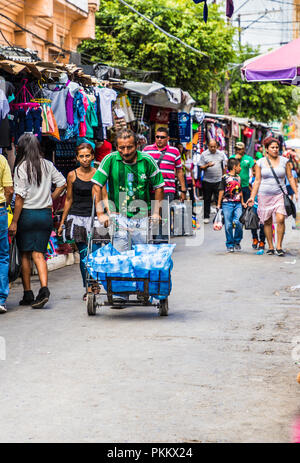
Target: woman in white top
column 270, row 196
column 32, row 222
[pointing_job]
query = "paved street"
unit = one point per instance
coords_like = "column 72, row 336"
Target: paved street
column 218, row 369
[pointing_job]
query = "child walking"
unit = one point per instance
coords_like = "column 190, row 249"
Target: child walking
column 231, row 201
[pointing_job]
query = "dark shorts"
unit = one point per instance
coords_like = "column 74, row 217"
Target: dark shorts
column 290, row 190
column 34, row 230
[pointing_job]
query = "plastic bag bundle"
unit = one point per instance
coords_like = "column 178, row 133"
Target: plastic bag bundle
column 144, row 261
column 249, row 219
column 218, row 220
column 154, row 262
column 108, row 262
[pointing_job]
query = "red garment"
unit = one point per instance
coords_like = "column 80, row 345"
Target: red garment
column 103, row 150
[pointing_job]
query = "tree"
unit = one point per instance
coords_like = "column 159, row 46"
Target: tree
column 125, row 39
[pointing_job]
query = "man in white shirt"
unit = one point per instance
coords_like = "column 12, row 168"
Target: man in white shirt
column 213, row 162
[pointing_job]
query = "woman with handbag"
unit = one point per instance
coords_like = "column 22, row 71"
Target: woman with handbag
column 273, row 201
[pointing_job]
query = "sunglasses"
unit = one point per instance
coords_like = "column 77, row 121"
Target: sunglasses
column 160, row 137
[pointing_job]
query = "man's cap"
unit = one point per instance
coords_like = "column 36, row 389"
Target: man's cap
column 240, row 145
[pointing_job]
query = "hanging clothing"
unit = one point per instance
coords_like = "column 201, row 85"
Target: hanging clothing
column 229, row 8
column 29, row 120
column 4, row 106
column 91, row 119
column 70, row 109
column 173, row 125
column 79, row 112
column 107, row 96
column 184, row 120
column 58, row 105
column 124, row 105
column 98, row 131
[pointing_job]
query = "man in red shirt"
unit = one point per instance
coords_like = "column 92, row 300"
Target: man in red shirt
column 169, row 161
column 103, row 148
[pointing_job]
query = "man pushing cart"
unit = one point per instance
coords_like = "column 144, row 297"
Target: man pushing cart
column 131, row 176
column 123, row 186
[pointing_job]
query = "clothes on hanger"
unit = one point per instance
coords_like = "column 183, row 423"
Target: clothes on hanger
column 107, row 97
column 123, row 104
column 58, row 105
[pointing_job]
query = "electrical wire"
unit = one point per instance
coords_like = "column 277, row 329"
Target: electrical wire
column 162, row 30
column 5, row 39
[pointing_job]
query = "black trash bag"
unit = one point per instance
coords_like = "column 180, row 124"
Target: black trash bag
column 14, row 261
column 249, row 219
column 104, row 72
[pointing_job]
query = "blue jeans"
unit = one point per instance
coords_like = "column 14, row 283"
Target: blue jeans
column 4, row 256
column 82, row 248
column 232, row 212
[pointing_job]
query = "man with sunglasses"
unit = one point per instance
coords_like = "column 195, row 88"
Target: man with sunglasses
column 169, row 161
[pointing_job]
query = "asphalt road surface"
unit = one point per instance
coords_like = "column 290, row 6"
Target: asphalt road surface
column 220, row 368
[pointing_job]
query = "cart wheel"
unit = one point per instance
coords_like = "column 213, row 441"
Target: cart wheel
column 91, row 304
column 163, row 308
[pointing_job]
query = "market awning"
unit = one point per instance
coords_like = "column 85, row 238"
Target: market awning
column 156, row 94
column 282, row 64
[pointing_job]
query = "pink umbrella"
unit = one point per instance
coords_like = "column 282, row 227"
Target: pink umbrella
column 282, row 64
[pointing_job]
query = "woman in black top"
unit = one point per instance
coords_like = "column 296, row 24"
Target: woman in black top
column 76, row 218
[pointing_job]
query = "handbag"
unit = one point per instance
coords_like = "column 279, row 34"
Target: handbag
column 250, row 219
column 14, row 261
column 288, row 203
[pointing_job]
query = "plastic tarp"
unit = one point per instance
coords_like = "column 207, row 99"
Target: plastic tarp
column 150, row 261
column 156, row 94
column 281, row 64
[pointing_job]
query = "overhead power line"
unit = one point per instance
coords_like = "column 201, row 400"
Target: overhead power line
column 162, row 30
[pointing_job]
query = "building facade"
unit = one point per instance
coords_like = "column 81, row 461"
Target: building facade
column 53, row 28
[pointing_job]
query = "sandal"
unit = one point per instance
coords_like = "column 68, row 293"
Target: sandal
column 270, row 252
column 280, row 252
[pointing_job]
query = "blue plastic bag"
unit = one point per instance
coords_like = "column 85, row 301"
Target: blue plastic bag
column 144, row 261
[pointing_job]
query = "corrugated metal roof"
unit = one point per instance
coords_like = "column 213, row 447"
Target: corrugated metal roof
column 24, row 55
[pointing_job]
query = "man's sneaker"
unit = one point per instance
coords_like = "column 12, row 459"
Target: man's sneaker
column 42, row 298
column 280, row 252
column 254, row 243
column 3, row 309
column 261, row 245
column 237, row 247
column 230, row 250
column 206, row 221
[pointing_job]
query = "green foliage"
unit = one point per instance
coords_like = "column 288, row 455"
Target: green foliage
column 125, row 39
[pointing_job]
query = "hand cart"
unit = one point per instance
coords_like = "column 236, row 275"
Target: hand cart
column 108, row 298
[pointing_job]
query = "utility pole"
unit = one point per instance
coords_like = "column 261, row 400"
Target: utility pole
column 240, row 31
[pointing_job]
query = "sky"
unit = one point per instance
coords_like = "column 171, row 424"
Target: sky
column 269, row 31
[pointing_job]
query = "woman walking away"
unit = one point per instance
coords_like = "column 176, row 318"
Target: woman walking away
column 270, row 196
column 76, row 218
column 32, row 220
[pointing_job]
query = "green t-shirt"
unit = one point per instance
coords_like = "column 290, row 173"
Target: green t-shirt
column 129, row 182
column 259, row 155
column 247, row 162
